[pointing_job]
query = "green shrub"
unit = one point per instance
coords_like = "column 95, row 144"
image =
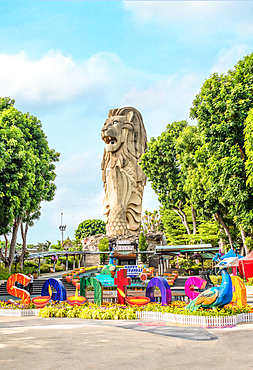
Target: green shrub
column 59, row 268
column 143, row 246
column 45, row 267
column 216, row 280
column 250, row 281
column 89, row 228
column 103, row 246
column 4, row 273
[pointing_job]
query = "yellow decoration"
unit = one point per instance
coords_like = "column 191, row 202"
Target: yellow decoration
column 239, row 292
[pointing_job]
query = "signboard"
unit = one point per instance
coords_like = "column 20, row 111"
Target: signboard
column 124, row 245
column 133, row 270
column 123, row 242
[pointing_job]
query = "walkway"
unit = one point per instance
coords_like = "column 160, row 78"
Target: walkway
column 74, row 343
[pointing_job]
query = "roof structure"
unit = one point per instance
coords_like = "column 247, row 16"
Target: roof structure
column 175, row 249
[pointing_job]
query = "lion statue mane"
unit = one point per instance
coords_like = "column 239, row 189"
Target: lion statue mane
column 125, row 140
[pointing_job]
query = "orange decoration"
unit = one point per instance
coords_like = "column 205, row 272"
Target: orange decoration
column 18, row 292
column 134, row 301
column 41, row 302
column 76, row 300
column 239, row 292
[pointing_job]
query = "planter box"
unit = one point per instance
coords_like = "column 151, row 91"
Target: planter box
column 206, row 321
column 249, row 289
column 17, row 312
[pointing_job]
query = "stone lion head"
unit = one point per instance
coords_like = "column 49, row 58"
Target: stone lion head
column 125, row 140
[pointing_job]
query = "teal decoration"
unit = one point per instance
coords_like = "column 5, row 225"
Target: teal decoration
column 98, row 289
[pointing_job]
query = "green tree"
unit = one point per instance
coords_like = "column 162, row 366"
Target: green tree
column 26, row 173
column 161, row 166
column 150, row 221
column 207, row 230
column 221, row 108
column 103, row 246
column 89, row 228
column 44, row 187
column 16, row 179
column 143, row 246
column 166, row 164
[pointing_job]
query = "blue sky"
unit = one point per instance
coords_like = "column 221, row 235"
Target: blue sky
column 69, row 62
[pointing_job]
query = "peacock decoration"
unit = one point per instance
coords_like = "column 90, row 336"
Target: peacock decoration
column 216, row 296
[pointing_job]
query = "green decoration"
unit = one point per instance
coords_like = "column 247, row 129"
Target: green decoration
column 98, row 289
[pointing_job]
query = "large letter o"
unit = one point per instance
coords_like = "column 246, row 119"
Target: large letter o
column 162, row 284
column 60, row 294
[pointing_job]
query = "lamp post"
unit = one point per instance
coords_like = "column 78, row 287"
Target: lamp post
column 62, row 228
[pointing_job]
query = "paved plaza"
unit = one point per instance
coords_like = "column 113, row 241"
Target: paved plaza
column 62, row 343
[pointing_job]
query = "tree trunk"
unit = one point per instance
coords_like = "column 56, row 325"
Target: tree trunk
column 183, row 217
column 24, row 235
column 243, row 234
column 3, row 257
column 6, row 246
column 219, row 219
column 13, row 242
column 194, row 224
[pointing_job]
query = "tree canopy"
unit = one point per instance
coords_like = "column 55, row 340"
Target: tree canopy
column 26, row 171
column 208, row 167
column 89, row 228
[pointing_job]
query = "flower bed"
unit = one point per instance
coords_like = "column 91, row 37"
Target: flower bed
column 17, row 309
column 175, row 313
column 90, row 311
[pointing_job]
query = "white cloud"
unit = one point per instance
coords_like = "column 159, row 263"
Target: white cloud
column 150, row 199
column 102, row 78
column 195, row 20
column 56, row 78
column 227, row 58
column 77, row 165
column 164, row 11
column 168, row 99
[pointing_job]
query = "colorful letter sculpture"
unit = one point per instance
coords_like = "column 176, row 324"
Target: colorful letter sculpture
column 161, row 283
column 122, row 281
column 189, row 286
column 98, row 289
column 239, row 292
column 59, row 295
column 18, row 292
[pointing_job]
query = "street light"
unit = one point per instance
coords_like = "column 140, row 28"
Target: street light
column 62, row 228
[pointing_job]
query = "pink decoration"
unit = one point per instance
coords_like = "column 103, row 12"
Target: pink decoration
column 234, row 272
column 191, row 283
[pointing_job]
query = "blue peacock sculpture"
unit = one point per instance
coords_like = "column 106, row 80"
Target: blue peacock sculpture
column 215, row 296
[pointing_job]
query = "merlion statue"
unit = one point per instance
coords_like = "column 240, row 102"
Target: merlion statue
column 125, row 140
